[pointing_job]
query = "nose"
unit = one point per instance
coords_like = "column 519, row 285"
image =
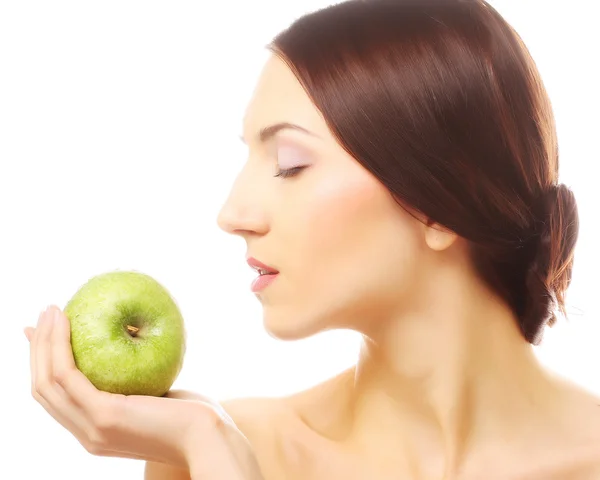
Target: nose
column 243, row 212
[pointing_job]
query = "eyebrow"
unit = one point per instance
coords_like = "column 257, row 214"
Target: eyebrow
column 269, row 132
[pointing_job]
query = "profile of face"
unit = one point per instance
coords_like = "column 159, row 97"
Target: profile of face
column 348, row 255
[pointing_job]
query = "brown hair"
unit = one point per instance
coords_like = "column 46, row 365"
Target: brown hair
column 441, row 101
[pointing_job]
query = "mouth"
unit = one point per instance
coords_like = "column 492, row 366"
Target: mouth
column 266, row 275
column 261, row 268
column 262, row 271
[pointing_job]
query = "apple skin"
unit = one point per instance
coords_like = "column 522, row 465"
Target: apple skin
column 102, row 314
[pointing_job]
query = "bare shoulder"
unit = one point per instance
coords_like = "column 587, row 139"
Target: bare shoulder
column 583, row 410
column 278, row 428
column 286, row 433
column 317, row 405
column 582, row 442
column 257, row 418
column 270, row 424
column 256, row 413
column 260, row 419
column 292, row 435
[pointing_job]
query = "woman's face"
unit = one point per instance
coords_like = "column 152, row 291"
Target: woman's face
column 346, row 252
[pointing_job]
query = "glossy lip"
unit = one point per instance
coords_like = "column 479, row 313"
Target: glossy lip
column 256, row 265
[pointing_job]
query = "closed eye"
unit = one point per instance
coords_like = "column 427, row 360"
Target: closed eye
column 290, row 172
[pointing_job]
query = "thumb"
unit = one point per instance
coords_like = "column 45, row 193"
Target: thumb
column 29, row 332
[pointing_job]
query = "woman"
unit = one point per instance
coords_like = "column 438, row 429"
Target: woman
column 401, row 182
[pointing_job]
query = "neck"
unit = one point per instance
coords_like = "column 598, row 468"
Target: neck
column 440, row 381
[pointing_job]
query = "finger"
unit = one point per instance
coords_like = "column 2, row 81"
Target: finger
column 64, row 416
column 39, row 385
column 29, row 331
column 43, row 364
column 50, row 395
column 32, row 353
column 75, row 384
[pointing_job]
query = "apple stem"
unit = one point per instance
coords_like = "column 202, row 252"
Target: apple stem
column 132, row 330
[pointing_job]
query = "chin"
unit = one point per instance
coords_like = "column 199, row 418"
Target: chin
column 290, row 326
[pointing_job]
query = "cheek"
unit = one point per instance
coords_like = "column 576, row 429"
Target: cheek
column 348, row 252
column 354, row 243
column 349, row 221
column 335, row 214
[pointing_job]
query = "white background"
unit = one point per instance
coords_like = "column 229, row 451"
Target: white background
column 118, row 144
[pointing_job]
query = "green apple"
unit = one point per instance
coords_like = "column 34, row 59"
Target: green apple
column 127, row 333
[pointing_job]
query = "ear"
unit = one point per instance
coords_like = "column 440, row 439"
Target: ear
column 438, row 237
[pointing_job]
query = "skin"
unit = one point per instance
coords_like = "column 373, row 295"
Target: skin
column 445, row 386
column 198, row 436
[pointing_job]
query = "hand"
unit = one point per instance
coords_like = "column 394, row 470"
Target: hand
column 197, row 435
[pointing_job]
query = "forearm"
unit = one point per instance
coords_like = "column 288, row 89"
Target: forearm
column 219, row 461
column 224, row 471
column 162, row 471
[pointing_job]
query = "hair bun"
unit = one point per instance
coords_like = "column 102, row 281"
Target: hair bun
column 549, row 273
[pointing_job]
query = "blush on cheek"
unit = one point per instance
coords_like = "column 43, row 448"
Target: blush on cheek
column 338, row 212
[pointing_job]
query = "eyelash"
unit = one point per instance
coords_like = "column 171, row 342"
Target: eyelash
column 290, row 172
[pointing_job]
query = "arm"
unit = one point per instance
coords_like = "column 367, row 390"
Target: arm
column 248, row 414
column 161, row 471
column 195, row 435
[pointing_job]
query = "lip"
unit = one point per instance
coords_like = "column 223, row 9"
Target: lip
column 262, row 281
column 257, row 264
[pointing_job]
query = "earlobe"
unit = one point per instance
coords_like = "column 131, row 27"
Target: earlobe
column 439, row 238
